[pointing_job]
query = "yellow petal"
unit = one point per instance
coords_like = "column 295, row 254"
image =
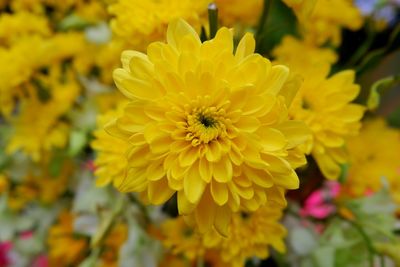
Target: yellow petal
column 155, row 171
column 222, row 170
column 329, row 168
column 246, row 46
column 159, row 192
column 205, row 213
column 193, row 185
column 259, row 177
column 276, row 79
column 219, row 192
column 205, row 170
column 248, row 124
column 188, row 156
column 213, row 151
column 184, row 206
column 134, row 88
column 222, row 220
column 176, row 31
column 271, row 139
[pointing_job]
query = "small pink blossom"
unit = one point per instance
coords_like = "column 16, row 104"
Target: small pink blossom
column 319, row 204
column 5, row 249
column 41, row 261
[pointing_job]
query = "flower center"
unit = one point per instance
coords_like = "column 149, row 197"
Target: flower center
column 206, row 121
column 205, row 124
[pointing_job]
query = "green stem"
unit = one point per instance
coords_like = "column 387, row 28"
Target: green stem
column 142, row 209
column 363, row 49
column 200, row 262
column 108, row 224
column 213, row 19
column 368, row 242
column 263, row 20
column 382, row 261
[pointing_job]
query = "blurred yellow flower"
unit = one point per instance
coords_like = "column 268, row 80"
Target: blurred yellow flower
column 296, row 53
column 250, row 235
column 233, row 12
column 180, row 239
column 110, row 160
column 37, row 127
column 327, row 20
column 302, row 8
column 140, row 22
column 4, row 184
column 323, row 103
column 208, row 125
column 66, row 248
column 112, row 244
column 13, row 26
column 374, row 160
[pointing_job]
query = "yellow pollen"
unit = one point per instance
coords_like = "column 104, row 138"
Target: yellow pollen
column 205, row 124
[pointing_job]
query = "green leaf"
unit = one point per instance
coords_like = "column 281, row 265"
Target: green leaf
column 77, row 141
column 394, row 118
column 56, row 164
column 373, row 58
column 280, row 22
column 303, row 241
column 380, row 87
column 73, row 22
column 324, row 257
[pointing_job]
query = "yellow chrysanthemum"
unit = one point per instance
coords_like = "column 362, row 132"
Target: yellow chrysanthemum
column 110, row 161
column 65, row 248
column 4, row 184
column 295, row 53
column 327, row 20
column 323, row 103
column 233, row 12
column 180, row 239
column 250, row 235
column 374, row 158
column 142, row 22
column 13, row 26
column 302, row 8
column 37, row 127
column 21, row 61
column 112, row 245
column 207, row 124
column 39, row 186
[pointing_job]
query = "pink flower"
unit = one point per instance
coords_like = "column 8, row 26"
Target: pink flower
column 41, row 261
column 319, row 204
column 5, row 248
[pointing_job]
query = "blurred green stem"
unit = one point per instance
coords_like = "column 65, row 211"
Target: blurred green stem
column 364, row 47
column 213, row 19
column 263, row 20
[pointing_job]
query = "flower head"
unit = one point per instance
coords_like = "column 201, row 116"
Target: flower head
column 110, row 161
column 250, row 235
column 372, row 164
column 323, row 103
column 328, row 18
column 142, row 22
column 233, row 12
column 207, row 124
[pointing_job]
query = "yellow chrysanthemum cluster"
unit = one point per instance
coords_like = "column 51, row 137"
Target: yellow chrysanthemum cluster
column 232, row 12
column 323, row 101
column 110, row 160
column 321, row 21
column 374, row 160
column 141, row 22
column 208, row 125
column 62, row 235
column 36, row 134
column 250, row 235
